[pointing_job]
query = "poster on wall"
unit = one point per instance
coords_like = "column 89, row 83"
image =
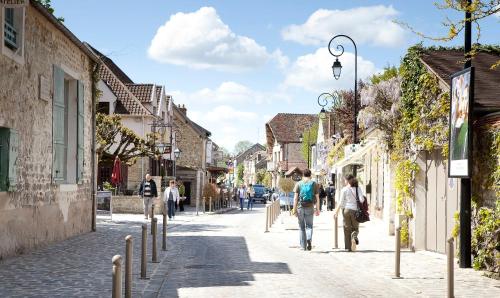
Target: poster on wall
column 460, row 128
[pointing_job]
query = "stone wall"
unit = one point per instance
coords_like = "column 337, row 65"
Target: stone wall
column 133, row 204
column 38, row 211
column 294, row 156
column 191, row 145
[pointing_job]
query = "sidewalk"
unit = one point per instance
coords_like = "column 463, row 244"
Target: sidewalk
column 422, row 273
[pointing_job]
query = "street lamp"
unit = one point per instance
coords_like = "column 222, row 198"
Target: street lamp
column 177, row 153
column 337, row 69
column 323, row 98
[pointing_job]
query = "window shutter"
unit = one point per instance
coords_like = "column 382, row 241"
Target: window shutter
column 4, row 157
column 81, row 139
column 13, row 151
column 58, row 127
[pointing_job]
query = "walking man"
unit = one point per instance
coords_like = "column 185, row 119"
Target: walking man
column 242, row 194
column 330, row 193
column 306, row 201
column 170, row 197
column 250, row 195
column 148, row 192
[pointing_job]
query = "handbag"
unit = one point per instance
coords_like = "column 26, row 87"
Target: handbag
column 362, row 214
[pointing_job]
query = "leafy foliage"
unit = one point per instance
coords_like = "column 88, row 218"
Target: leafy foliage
column 486, row 239
column 337, row 152
column 241, row 146
column 344, row 113
column 287, row 184
column 309, row 137
column 240, row 171
column 48, row 6
column 388, row 73
column 115, row 140
column 267, row 181
column 260, row 175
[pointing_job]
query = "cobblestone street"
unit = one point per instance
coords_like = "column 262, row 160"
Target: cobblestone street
column 229, row 255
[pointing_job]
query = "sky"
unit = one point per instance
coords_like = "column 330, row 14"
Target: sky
column 235, row 64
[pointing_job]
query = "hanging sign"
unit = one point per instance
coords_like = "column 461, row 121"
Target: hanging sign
column 462, row 85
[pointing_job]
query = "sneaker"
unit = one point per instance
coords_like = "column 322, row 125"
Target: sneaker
column 309, row 246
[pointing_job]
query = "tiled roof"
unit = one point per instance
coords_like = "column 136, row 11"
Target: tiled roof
column 486, row 84
column 158, row 94
column 112, row 66
column 287, row 128
column 143, row 92
column 127, row 103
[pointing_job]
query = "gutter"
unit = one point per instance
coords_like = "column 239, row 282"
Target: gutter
column 94, row 157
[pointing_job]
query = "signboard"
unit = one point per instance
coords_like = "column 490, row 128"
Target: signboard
column 462, row 85
column 13, row 3
column 209, row 152
column 44, row 90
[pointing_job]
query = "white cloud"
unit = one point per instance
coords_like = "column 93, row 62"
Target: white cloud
column 227, row 124
column 228, row 92
column 313, row 72
column 369, row 25
column 201, row 40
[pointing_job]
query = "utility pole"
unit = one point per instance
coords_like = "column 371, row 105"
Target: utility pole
column 465, row 183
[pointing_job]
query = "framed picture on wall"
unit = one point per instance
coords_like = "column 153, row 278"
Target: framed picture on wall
column 461, row 99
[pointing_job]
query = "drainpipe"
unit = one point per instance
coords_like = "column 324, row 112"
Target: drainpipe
column 94, row 157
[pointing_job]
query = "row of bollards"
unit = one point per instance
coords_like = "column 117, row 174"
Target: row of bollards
column 450, row 267
column 273, row 211
column 117, row 259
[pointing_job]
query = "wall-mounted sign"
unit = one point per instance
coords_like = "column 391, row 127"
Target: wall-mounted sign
column 44, row 88
column 462, row 86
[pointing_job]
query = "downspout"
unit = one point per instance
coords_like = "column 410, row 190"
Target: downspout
column 94, row 156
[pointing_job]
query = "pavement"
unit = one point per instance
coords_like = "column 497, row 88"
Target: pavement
column 229, row 255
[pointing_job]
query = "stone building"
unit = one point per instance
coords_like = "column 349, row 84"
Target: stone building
column 284, row 147
column 46, row 131
column 252, row 164
column 191, row 167
column 138, row 105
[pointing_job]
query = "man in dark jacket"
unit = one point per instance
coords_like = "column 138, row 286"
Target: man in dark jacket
column 148, row 192
column 330, row 193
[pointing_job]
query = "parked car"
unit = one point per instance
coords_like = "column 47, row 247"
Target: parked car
column 260, row 191
column 286, row 200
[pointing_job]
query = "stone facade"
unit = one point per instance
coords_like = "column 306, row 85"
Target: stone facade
column 39, row 211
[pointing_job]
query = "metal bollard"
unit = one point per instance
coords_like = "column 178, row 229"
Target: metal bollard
column 164, row 232
column 154, row 228
column 152, row 216
column 267, row 220
column 204, row 205
column 144, row 251
column 117, row 277
column 210, row 204
column 128, row 266
column 451, row 268
column 397, row 264
column 197, row 205
column 336, row 228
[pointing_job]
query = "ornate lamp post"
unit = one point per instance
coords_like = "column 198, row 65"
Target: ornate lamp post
column 337, row 69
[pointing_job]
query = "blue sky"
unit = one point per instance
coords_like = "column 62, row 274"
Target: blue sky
column 235, row 64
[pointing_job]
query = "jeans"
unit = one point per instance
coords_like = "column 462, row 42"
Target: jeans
column 306, row 217
column 147, row 201
column 241, row 203
column 170, row 208
column 250, row 204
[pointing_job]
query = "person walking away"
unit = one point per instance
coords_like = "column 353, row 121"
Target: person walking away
column 330, row 194
column 250, row 195
column 322, row 196
column 349, row 206
column 170, row 197
column 306, row 201
column 148, row 192
column 242, row 194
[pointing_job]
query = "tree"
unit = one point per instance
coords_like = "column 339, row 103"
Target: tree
column 309, row 137
column 344, row 113
column 268, row 180
column 48, row 6
column 287, row 185
column 260, row 175
column 239, row 172
column 479, row 10
column 242, row 146
column 115, row 140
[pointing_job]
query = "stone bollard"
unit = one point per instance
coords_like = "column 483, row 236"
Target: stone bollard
column 117, row 277
column 154, row 257
column 144, row 251
column 197, row 205
column 451, row 268
column 336, row 231
column 267, row 220
column 210, row 204
column 152, row 216
column 164, row 232
column 204, row 205
column 128, row 266
column 397, row 264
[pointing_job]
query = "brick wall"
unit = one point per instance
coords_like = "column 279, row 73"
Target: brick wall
column 40, row 212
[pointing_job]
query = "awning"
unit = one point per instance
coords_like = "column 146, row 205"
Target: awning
column 356, row 158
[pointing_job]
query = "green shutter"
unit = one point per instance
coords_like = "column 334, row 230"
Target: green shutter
column 4, row 158
column 13, row 151
column 81, row 121
column 58, row 127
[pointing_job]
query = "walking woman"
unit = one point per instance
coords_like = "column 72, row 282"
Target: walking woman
column 349, row 206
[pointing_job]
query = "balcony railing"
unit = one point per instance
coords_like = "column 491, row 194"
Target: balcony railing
column 10, row 36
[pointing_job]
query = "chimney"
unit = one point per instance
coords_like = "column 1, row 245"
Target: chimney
column 183, row 109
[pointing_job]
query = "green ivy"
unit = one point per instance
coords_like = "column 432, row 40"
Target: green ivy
column 486, row 239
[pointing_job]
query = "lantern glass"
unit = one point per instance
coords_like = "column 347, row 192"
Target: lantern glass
column 337, row 69
column 322, row 114
column 177, row 153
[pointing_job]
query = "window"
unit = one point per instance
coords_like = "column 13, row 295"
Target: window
column 67, row 128
column 103, row 107
column 13, row 30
